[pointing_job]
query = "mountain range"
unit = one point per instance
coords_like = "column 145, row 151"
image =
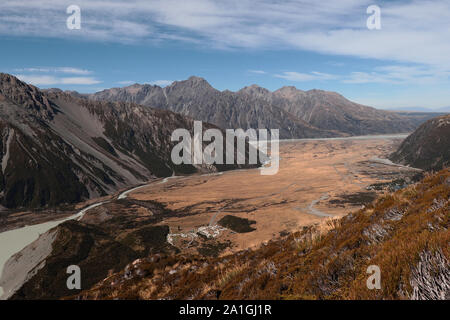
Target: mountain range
column 296, row 113
column 64, row 147
column 56, row 148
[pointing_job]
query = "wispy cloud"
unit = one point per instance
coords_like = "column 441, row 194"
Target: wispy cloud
column 387, row 74
column 400, row 74
column 312, row 76
column 48, row 76
column 412, row 31
column 79, row 80
column 257, row 71
column 67, row 70
column 161, row 83
column 126, row 82
column 38, row 80
column 46, row 80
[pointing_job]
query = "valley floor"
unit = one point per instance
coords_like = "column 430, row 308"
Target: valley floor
column 317, row 179
column 222, row 213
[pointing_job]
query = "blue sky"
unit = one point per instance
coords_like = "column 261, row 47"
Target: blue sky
column 232, row 44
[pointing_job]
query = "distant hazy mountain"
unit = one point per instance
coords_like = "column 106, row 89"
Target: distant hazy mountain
column 55, row 148
column 444, row 109
column 422, row 109
column 296, row 113
column 428, row 147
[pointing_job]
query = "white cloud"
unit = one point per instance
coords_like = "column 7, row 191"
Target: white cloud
column 38, row 80
column 312, row 76
column 46, row 80
column 162, row 83
column 387, row 74
column 68, row 70
column 46, row 76
column 72, row 70
column 400, row 74
column 79, row 80
column 257, row 71
column 126, row 82
column 412, row 31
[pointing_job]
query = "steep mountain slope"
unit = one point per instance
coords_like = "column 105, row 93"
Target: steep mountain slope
column 85, row 246
column 428, row 147
column 106, row 239
column 404, row 233
column 56, row 148
column 296, row 113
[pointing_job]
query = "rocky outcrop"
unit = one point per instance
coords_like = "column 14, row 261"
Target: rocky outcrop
column 430, row 279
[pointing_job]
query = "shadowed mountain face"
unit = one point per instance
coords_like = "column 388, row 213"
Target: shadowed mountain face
column 85, row 245
column 296, row 113
column 428, row 147
column 56, row 148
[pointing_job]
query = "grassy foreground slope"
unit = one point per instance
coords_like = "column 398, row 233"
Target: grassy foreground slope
column 404, row 233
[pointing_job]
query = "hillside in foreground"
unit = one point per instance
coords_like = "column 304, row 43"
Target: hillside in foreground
column 404, row 233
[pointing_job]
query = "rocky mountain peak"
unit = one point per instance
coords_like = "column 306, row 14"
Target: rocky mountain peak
column 288, row 92
column 25, row 95
column 195, row 81
column 10, row 84
column 288, row 89
column 255, row 90
column 193, row 86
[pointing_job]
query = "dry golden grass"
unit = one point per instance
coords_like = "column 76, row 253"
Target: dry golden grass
column 278, row 203
column 323, row 261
